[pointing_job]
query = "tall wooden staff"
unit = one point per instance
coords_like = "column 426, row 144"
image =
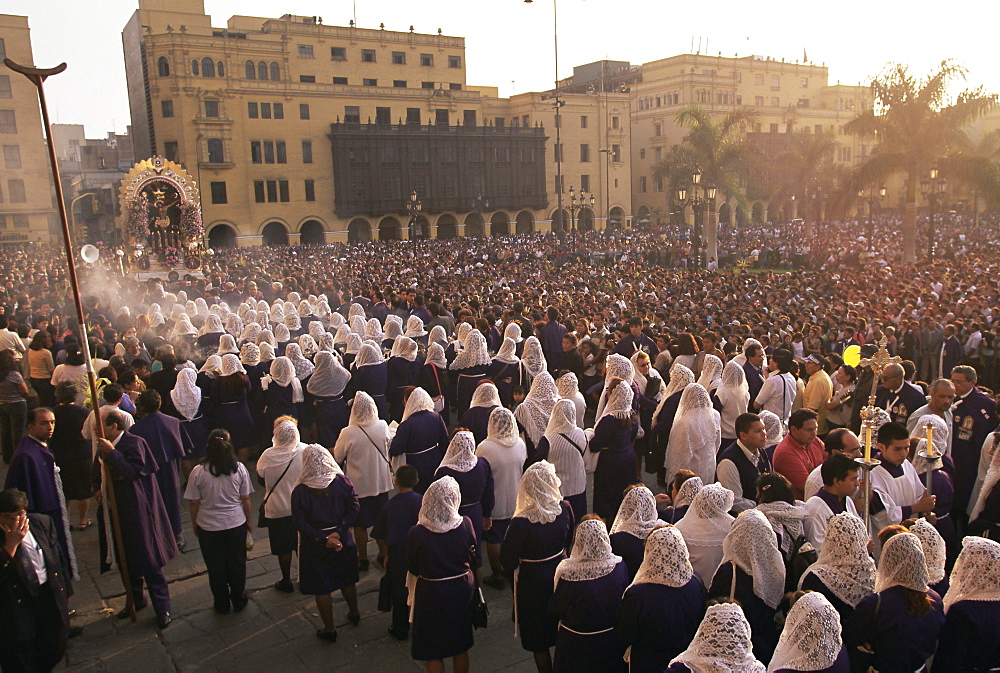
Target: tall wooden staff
column 37, row 76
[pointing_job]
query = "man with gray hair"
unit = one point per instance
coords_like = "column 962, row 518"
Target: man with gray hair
column 975, row 416
column 939, row 401
column 898, row 396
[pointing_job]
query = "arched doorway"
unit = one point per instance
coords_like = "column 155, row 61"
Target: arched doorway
column 741, row 217
column 642, row 218
column 474, row 225
column 222, row 236
column 388, row 229
column 724, row 215
column 359, row 231
column 524, row 223
column 447, row 227
column 585, row 220
column 312, row 233
column 757, row 213
column 560, row 220
column 500, row 224
column 420, row 228
column 275, row 234
column 616, row 218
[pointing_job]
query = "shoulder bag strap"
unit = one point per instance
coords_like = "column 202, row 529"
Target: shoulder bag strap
column 268, row 496
column 732, row 584
column 436, row 380
column 566, row 437
column 377, row 450
column 472, row 552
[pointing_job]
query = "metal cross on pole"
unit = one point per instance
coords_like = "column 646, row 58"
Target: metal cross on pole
column 37, row 76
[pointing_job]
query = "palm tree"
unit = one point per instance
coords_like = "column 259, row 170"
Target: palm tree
column 806, row 167
column 914, row 127
column 720, row 148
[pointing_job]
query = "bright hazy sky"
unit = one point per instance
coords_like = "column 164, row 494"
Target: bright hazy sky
column 509, row 43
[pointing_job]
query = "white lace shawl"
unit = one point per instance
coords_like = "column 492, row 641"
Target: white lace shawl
column 665, row 559
column 227, row 344
column 637, row 513
column 508, row 352
column 513, row 332
column 707, row 521
column 186, row 395
column 721, row 644
column 435, row 356
column 437, row 336
column 212, row 366
column 976, row 575
column 485, row 395
column 281, row 334
column 901, row 564
column 751, row 545
column 285, row 443
column 474, row 354
column 213, row 325
column 341, row 336
column 303, row 367
column 687, row 492
column 734, row 389
column 307, row 344
column 538, row 497
column 535, row 410
column 282, row 372
column 250, row 332
column 393, row 330
column 318, row 467
column 439, row 507
column 234, row 324
column 266, row 352
column 354, row 344
column 368, row 354
column 336, row 319
column 711, row 373
column 329, row 378
column 292, row 321
column 250, row 354
column 419, row 400
column 316, row 329
column 811, row 639
column 373, row 330
column 618, row 367
column 563, row 418
column 415, row 327
column 567, row 386
column 325, row 342
column 461, row 453
column 356, row 310
column 934, row 549
column 773, row 427
column 266, row 336
column 404, row 347
column 844, row 565
column 695, row 435
column 591, row 557
column 364, row 411
column 183, row 327
column 786, row 519
column 533, row 358
column 680, row 378
column 502, row 427
column 231, row 365
column 358, row 324
column 619, row 402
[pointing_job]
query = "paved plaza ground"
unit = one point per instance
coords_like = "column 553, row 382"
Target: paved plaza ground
column 276, row 632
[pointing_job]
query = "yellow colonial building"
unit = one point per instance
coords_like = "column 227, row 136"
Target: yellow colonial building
column 301, row 132
column 27, row 205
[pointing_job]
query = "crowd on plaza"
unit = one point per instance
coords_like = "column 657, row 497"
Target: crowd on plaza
column 658, row 460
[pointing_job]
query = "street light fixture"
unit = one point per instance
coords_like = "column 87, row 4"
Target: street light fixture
column 576, row 206
column 413, row 207
column 703, row 203
column 873, row 196
column 934, row 190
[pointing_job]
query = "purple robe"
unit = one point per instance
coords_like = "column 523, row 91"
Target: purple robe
column 373, row 379
column 169, row 444
column 477, row 420
column 588, row 612
column 970, row 639
column 631, row 549
column 423, row 438
column 145, row 525
column 476, row 487
column 615, row 466
column 659, row 622
column 901, row 640
column 466, row 383
column 534, row 550
column 402, row 374
column 233, row 412
column 764, row 633
column 316, row 515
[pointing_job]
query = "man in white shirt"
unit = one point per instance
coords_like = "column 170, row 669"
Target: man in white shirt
column 778, row 392
column 112, row 399
column 743, row 461
column 840, row 483
column 841, row 441
column 10, row 339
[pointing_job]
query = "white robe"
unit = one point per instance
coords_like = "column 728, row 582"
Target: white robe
column 814, row 482
column 895, row 493
column 816, row 522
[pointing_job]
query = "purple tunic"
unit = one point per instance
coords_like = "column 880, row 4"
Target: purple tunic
column 588, row 612
column 197, row 431
column 466, row 383
column 764, row 632
column 435, row 382
column 317, row 514
column 233, row 413
column 331, row 415
column 631, row 549
column 373, row 379
column 402, row 374
column 442, row 624
column 168, row 444
column 477, row 420
column 902, row 641
column 476, row 486
column 423, row 437
column 659, row 622
column 278, row 402
column 616, row 465
column 506, row 375
column 811, row 582
column 970, row 639
column 523, row 548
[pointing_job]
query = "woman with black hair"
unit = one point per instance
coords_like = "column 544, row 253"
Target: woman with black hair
column 219, row 492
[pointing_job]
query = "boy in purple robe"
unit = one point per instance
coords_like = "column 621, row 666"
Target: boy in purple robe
column 394, row 521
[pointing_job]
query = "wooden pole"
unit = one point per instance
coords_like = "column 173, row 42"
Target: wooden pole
column 37, row 76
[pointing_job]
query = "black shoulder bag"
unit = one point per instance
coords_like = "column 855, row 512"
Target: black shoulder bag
column 261, row 519
column 478, row 610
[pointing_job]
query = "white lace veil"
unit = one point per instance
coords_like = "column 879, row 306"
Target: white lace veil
column 752, row 546
column 282, row 372
column 508, row 352
column 844, row 565
column 734, row 389
column 329, row 378
column 266, row 352
column 773, row 427
column 533, row 358
column 303, row 367
column 811, row 639
column 637, row 513
column 474, row 354
column 567, row 385
column 341, row 336
column 250, row 354
column 373, row 330
column 538, row 497
column 292, row 321
column 353, row 344
column 721, row 644
column 393, row 330
column 212, row 366
column 902, row 564
column 439, row 507
column 419, row 400
column 485, row 395
column 591, row 558
column 405, row 347
column 665, row 559
column 563, row 418
column 186, row 395
column 231, row 365
column 707, row 521
column 513, row 332
column 364, row 411
column 415, row 327
column 435, row 356
column 711, row 373
column 461, row 453
column 369, row 354
column 358, row 325
column 618, row 367
column 318, row 467
column 535, row 410
column 307, row 343
column 989, row 482
column 502, row 427
column 934, row 549
column 437, row 336
column 680, row 378
column 976, row 575
column 688, row 490
column 281, row 333
column 695, row 435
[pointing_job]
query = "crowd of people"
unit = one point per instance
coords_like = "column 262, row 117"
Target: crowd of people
column 659, row 461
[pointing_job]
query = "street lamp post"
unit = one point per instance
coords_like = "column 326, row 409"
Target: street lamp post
column 576, row 206
column 702, row 203
column 933, row 189
column 72, row 212
column 873, row 196
column 413, row 207
column 480, row 205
